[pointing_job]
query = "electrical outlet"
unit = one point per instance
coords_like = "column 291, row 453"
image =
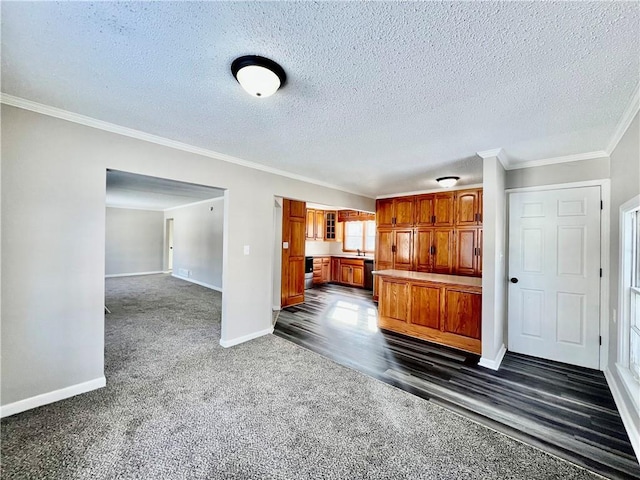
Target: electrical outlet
column 247, row 249
column 615, row 315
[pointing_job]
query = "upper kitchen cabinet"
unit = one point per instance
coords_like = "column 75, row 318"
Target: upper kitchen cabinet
column 319, row 226
column 315, row 228
column 330, row 225
column 469, row 208
column 434, row 210
column 384, row 212
column 311, row 224
column 395, row 212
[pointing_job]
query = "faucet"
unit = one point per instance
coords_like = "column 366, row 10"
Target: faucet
column 358, row 252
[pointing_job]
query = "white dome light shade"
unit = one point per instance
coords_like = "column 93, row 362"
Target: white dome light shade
column 259, row 76
column 447, row 182
column 258, row 81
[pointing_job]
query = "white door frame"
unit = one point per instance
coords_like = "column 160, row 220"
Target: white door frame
column 605, row 214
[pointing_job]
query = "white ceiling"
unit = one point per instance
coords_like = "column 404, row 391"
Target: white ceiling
column 140, row 191
column 381, row 97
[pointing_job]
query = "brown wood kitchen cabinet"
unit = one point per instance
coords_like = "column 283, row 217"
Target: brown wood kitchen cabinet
column 468, row 208
column 434, row 209
column 352, row 272
column 468, row 260
column 335, row 269
column 315, row 224
column 330, row 225
column 321, row 270
column 437, row 240
column 433, row 250
column 445, row 309
column 395, row 212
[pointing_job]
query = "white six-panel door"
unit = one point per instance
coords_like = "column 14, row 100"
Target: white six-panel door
column 554, row 256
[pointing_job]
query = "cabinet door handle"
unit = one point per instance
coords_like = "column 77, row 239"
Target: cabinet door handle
column 433, row 219
column 432, row 250
column 393, row 248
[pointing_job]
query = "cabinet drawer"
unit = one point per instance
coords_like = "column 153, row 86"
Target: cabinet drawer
column 352, row 262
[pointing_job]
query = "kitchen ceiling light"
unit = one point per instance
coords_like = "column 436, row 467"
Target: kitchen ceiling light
column 447, row 182
column 259, row 76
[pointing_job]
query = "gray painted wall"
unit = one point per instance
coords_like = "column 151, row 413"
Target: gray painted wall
column 197, row 241
column 579, row 171
column 493, row 259
column 625, row 184
column 53, row 242
column 134, row 241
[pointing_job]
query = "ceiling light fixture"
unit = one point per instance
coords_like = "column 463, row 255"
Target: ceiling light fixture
column 447, row 182
column 259, row 76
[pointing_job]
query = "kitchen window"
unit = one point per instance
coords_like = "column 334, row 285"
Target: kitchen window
column 359, row 236
column 629, row 301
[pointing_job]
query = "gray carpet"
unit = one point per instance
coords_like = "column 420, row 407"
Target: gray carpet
column 177, row 405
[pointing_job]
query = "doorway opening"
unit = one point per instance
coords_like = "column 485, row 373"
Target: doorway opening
column 555, row 274
column 157, row 227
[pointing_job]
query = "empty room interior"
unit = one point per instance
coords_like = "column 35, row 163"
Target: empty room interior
column 320, row 240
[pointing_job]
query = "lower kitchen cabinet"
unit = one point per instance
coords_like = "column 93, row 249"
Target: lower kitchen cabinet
column 321, row 270
column 352, row 272
column 444, row 309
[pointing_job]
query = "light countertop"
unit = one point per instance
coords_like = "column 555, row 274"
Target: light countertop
column 431, row 277
column 345, row 255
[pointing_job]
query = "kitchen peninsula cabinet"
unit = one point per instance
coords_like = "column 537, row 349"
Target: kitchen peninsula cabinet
column 445, row 309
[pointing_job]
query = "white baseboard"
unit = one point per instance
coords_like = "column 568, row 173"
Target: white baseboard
column 630, row 424
column 276, row 308
column 246, row 338
column 197, row 282
column 114, row 275
column 493, row 364
column 50, row 397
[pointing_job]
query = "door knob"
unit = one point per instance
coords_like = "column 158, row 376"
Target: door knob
column 514, row 280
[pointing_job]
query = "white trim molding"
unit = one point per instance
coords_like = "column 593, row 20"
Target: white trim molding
column 199, row 202
column 50, row 397
column 197, row 282
column 598, row 154
column 134, row 274
column 499, row 154
column 629, row 418
column 421, row 192
column 245, row 338
column 625, row 121
column 493, row 363
column 148, row 137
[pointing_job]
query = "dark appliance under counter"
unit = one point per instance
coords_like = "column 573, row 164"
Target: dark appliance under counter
column 308, row 272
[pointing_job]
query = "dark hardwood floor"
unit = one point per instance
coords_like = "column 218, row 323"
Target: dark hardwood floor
column 565, row 410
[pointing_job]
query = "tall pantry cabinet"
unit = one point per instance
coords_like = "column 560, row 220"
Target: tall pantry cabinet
column 437, row 233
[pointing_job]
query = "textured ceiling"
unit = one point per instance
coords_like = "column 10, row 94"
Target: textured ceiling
column 140, row 191
column 381, row 97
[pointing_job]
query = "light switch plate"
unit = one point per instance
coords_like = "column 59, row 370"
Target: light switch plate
column 247, row 249
column 285, row 245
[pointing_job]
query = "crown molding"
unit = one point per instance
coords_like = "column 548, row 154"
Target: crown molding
column 566, row 159
column 199, row 202
column 625, row 121
column 499, row 154
column 133, row 207
column 433, row 190
column 148, row 137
